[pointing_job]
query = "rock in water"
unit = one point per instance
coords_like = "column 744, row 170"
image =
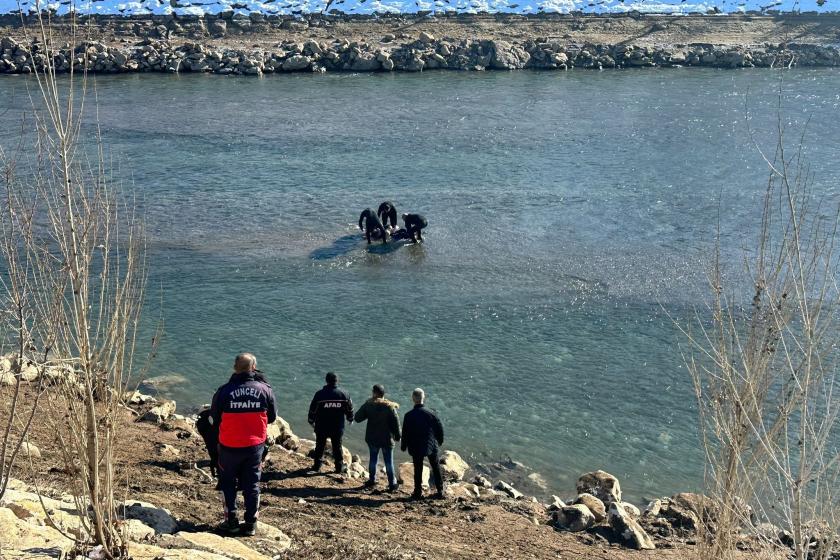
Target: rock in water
column 600, row 484
column 594, row 505
column 628, row 529
column 452, row 466
column 573, row 518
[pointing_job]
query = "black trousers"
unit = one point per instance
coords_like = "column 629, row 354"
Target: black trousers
column 418, row 472
column 241, row 468
column 335, row 442
column 414, row 233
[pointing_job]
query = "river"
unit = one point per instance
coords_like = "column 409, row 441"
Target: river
column 571, row 216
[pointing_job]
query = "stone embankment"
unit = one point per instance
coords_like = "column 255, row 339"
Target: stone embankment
column 413, row 54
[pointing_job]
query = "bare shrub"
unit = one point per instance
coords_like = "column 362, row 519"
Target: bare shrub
column 74, row 250
column 763, row 358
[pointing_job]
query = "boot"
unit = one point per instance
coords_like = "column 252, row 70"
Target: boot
column 248, row 529
column 229, row 525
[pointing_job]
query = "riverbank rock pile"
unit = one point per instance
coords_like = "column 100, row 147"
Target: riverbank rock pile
column 45, row 531
column 414, row 55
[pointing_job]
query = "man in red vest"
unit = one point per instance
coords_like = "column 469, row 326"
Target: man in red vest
column 242, row 409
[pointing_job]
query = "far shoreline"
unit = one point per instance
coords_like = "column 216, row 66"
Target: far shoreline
column 257, row 44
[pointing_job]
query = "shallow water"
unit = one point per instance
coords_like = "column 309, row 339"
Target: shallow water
column 570, row 214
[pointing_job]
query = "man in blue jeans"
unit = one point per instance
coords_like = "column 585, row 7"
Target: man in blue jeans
column 383, row 429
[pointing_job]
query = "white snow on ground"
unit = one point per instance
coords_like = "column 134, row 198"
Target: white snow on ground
column 296, row 7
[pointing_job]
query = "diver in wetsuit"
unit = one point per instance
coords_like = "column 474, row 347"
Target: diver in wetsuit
column 387, row 212
column 414, row 224
column 371, row 225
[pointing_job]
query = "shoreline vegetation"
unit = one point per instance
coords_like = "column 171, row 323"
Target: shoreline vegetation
column 256, row 44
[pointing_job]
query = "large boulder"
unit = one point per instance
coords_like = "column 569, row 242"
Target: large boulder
column 151, row 552
column 22, row 539
column 594, row 505
column 279, row 540
column 157, row 518
column 27, row 505
column 631, row 510
column 280, row 432
column 136, row 398
column 573, row 518
column 137, row 531
column 27, row 449
column 464, row 490
column 505, row 56
column 509, row 490
column 628, row 529
column 600, row 484
column 160, row 413
column 405, row 475
column 365, row 62
column 296, row 63
column 700, row 505
column 227, row 547
column 452, row 466
column 307, row 447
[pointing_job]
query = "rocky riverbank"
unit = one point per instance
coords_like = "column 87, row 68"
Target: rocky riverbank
column 170, row 506
column 257, row 44
column 426, row 52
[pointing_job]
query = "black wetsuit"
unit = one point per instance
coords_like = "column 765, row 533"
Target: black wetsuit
column 371, row 225
column 414, row 224
column 387, row 212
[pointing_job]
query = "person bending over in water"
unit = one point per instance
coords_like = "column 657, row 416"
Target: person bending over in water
column 372, row 225
column 388, row 213
column 414, row 224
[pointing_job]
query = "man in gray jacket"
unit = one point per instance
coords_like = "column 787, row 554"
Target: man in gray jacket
column 383, row 429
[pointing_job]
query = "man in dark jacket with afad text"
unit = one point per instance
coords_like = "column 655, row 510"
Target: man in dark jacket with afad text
column 329, row 409
column 242, row 410
column 422, row 433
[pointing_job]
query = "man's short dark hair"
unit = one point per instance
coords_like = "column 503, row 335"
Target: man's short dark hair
column 331, row 378
column 379, row 390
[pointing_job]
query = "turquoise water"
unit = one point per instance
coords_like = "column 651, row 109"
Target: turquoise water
column 569, row 213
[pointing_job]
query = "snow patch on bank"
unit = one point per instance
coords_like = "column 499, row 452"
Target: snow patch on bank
column 367, row 7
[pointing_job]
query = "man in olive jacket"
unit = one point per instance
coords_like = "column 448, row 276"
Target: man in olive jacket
column 383, row 429
column 422, row 434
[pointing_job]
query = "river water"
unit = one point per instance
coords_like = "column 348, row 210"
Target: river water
column 570, row 215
